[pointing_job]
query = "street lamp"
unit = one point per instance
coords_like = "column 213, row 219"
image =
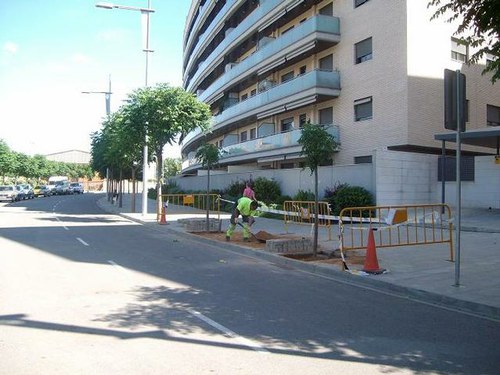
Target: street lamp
column 107, row 97
column 145, row 13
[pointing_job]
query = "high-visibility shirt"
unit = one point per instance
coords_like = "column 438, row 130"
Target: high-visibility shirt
column 244, row 206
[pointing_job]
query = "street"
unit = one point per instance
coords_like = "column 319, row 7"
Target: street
column 83, row 291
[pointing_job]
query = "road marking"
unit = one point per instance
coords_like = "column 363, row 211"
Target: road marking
column 82, row 241
column 64, row 226
column 244, row 341
column 117, row 266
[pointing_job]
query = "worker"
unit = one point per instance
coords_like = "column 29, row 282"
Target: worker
column 247, row 208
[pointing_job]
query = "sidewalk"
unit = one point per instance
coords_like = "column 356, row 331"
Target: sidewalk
column 415, row 272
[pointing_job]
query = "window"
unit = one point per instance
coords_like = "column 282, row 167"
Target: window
column 459, row 50
column 286, row 165
column 363, row 109
column 253, row 92
column 489, row 59
column 253, row 133
column 302, row 70
column 363, row 50
column 302, row 120
column 243, row 136
column 326, row 116
column 327, row 10
column 287, row 124
column 287, row 77
column 287, row 30
column 303, row 20
column 492, row 115
column 467, row 168
column 244, row 97
column 326, row 63
column 363, row 159
column 357, row 3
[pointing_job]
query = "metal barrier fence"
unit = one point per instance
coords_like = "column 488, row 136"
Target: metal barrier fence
column 303, row 212
column 192, row 201
column 396, row 226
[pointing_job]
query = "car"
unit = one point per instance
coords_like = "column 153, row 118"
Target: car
column 9, row 193
column 28, row 191
column 62, row 188
column 42, row 190
column 76, row 188
column 21, row 195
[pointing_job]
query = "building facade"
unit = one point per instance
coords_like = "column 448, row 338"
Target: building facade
column 372, row 70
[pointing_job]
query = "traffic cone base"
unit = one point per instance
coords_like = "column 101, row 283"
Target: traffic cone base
column 371, row 262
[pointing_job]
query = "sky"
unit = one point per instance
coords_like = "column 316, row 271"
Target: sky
column 52, row 50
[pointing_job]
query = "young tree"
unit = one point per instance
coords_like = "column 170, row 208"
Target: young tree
column 163, row 113
column 208, row 155
column 171, row 167
column 317, row 145
column 479, row 26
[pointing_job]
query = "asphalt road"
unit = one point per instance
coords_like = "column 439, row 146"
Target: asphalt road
column 82, row 291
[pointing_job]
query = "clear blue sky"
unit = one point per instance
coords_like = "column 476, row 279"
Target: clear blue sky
column 52, row 50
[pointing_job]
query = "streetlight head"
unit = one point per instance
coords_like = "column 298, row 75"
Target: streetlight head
column 105, row 5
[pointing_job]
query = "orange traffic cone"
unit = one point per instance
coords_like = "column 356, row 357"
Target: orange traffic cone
column 163, row 218
column 371, row 262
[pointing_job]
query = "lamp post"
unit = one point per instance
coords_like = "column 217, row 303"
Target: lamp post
column 107, row 97
column 145, row 13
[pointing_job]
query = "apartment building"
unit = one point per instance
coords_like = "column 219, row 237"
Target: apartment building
column 370, row 69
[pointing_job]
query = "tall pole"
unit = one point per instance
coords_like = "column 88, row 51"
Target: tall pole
column 145, row 156
column 145, row 12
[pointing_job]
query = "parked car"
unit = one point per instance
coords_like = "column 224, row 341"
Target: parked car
column 76, row 188
column 62, row 188
column 21, row 195
column 9, row 193
column 28, row 191
column 42, row 190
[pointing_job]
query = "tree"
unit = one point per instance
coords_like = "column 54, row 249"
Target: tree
column 208, row 155
column 6, row 159
column 317, row 146
column 165, row 113
column 171, row 167
column 479, row 26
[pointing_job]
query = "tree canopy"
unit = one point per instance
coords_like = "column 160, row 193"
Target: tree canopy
column 479, row 27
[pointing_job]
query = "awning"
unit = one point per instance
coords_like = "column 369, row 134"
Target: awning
column 485, row 137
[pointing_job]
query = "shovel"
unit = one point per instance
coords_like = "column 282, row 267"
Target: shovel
column 253, row 235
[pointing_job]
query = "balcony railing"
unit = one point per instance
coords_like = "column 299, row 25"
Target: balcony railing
column 318, row 27
column 273, row 144
column 293, row 93
column 264, row 12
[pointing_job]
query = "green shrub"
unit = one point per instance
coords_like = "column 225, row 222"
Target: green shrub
column 267, row 191
column 303, row 195
column 344, row 195
column 235, row 189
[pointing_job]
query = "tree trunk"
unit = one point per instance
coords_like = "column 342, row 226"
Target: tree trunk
column 316, row 213
column 120, row 188
column 133, row 190
column 206, row 199
column 159, row 168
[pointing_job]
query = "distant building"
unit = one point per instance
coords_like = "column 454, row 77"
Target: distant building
column 70, row 156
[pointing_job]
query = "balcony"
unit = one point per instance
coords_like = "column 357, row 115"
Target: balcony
column 281, row 144
column 276, row 52
column 298, row 92
column 267, row 10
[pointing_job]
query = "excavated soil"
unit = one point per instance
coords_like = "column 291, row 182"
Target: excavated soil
column 254, row 243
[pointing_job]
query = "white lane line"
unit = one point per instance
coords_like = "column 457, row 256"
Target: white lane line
column 244, row 341
column 64, row 226
column 82, row 241
column 118, row 267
